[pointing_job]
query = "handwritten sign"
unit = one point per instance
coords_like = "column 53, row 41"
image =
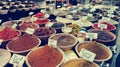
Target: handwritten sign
column 17, row 60
column 92, row 35
column 102, row 26
column 67, row 29
column 14, row 26
column 1, row 40
column 49, row 24
column 30, row 30
column 52, row 43
column 86, row 54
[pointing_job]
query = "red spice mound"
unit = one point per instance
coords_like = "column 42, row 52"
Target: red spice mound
column 39, row 15
column 25, row 25
column 45, row 57
column 41, row 21
column 23, row 43
column 109, row 26
column 8, row 33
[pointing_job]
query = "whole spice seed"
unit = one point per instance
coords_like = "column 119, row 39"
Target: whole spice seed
column 45, row 57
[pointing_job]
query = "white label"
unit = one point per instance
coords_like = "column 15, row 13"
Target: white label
column 52, row 43
column 31, row 13
column 43, row 11
column 81, row 24
column 1, row 40
column 90, row 15
column 58, row 6
column 47, row 15
column 49, row 24
column 84, row 17
column 30, row 31
column 14, row 26
column 17, row 60
column 0, row 7
column 74, row 11
column 59, row 18
column 55, row 12
column 51, row 8
column 69, row 16
column 67, row 29
column 86, row 54
column 102, row 26
column 92, row 10
column 110, row 11
column 0, row 21
column 110, row 15
column 33, row 19
column 92, row 35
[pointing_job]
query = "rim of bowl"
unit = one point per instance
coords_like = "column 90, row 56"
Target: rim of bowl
column 79, row 60
column 104, row 29
column 60, row 50
column 24, row 50
column 103, row 46
column 64, row 34
column 108, row 32
column 9, row 56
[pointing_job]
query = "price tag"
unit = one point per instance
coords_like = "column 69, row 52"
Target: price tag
column 69, row 16
column 0, row 21
column 74, row 11
column 110, row 15
column 92, row 10
column 49, row 24
column 59, row 18
column 31, row 13
column 86, row 54
column 51, row 8
column 17, row 60
column 81, row 24
column 43, row 11
column 67, row 29
column 102, row 26
column 47, row 15
column 33, row 19
column 52, row 43
column 30, row 31
column 90, row 15
column 92, row 35
column 110, row 11
column 84, row 17
column 1, row 40
column 0, row 7
column 55, row 12
column 14, row 26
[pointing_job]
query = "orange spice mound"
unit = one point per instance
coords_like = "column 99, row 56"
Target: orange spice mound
column 45, row 57
column 96, row 48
